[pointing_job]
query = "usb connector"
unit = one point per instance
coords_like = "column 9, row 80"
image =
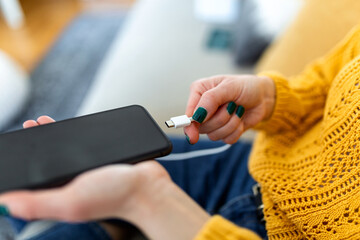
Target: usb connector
column 179, row 122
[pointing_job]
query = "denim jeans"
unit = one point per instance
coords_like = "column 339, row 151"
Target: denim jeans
column 219, row 181
column 215, row 175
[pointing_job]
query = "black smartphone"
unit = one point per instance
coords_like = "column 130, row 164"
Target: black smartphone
column 53, row 154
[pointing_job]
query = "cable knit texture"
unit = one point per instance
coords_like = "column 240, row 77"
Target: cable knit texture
column 220, row 228
column 306, row 157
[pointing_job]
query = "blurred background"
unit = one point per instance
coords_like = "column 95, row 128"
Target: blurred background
column 29, row 31
column 67, row 58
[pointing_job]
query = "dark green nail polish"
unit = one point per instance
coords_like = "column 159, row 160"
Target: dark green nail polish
column 4, row 211
column 240, row 111
column 200, row 115
column 188, row 139
column 231, row 107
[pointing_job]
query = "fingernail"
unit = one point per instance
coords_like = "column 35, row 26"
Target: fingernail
column 240, row 111
column 4, row 211
column 231, row 107
column 188, row 139
column 200, row 115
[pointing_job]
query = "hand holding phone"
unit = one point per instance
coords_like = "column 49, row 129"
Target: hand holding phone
column 53, row 154
column 128, row 192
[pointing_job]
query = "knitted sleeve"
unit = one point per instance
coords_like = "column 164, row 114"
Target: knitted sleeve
column 300, row 100
column 218, row 228
column 311, row 179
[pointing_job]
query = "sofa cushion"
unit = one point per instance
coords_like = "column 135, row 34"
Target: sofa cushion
column 259, row 22
column 14, row 89
column 318, row 27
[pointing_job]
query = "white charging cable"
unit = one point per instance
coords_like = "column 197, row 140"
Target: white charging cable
column 183, row 121
column 179, row 121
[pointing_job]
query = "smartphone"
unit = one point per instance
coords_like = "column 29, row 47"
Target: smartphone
column 51, row 155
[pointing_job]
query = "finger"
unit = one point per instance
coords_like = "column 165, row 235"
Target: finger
column 235, row 135
column 30, row 123
column 47, row 204
column 45, row 120
column 197, row 90
column 226, row 130
column 192, row 132
column 220, row 118
column 212, row 99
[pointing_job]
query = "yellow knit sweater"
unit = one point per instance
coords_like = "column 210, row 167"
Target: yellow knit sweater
column 307, row 156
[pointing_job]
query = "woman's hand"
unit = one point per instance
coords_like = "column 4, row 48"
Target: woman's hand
column 110, row 191
column 215, row 99
column 142, row 194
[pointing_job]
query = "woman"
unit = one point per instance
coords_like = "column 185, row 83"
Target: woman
column 305, row 159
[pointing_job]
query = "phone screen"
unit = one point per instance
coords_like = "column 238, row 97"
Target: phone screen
column 52, row 154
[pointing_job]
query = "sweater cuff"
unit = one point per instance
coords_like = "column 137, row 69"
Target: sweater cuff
column 283, row 115
column 219, row 228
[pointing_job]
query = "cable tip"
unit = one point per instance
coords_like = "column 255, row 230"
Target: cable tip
column 170, row 124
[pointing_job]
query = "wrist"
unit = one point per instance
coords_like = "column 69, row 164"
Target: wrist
column 150, row 179
column 163, row 211
column 174, row 216
column 269, row 96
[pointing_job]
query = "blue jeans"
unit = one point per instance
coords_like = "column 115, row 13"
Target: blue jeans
column 215, row 175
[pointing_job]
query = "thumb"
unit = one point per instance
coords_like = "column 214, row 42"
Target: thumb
column 30, row 205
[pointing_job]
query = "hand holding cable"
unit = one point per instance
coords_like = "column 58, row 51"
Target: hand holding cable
column 213, row 102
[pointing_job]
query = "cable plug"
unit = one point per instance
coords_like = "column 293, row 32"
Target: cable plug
column 179, row 122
